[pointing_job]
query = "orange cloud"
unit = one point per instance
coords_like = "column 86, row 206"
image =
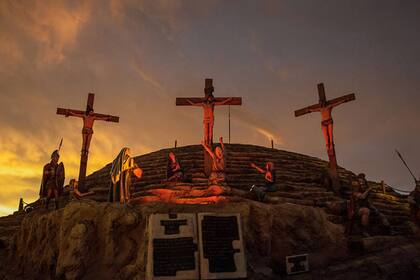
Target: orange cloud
column 52, row 25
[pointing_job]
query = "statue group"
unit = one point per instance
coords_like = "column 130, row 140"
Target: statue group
column 124, row 166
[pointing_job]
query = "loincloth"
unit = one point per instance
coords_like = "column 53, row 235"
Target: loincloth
column 208, row 121
column 327, row 122
column 87, row 130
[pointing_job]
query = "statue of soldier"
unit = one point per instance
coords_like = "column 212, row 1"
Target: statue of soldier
column 361, row 206
column 53, row 177
column 414, row 201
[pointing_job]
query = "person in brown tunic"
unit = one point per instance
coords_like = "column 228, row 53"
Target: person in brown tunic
column 52, row 180
column 218, row 167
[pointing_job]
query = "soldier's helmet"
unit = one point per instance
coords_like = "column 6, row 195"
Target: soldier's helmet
column 361, row 176
column 55, row 154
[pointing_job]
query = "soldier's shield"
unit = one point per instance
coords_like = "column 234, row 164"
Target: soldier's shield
column 60, row 177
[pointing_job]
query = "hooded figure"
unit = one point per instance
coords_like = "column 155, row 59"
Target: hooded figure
column 122, row 165
column 53, row 177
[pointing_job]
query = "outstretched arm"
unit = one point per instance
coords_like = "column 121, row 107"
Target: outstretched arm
column 253, row 165
column 365, row 194
column 207, row 148
column 74, row 114
column 338, row 103
column 199, row 104
column 224, row 101
column 314, row 109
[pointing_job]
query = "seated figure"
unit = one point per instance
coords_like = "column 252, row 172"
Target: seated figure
column 74, row 188
column 270, row 181
column 217, row 175
column 174, row 172
column 414, row 201
column 360, row 205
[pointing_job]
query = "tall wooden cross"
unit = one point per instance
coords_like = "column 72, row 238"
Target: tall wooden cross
column 208, row 102
column 325, row 107
column 89, row 117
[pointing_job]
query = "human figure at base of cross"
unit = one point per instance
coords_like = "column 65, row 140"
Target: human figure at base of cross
column 270, row 181
column 327, row 123
column 74, row 188
column 88, row 120
column 360, row 205
column 414, row 201
column 208, row 106
column 174, row 172
column 218, row 167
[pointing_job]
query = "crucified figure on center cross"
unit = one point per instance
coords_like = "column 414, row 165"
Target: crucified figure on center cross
column 208, row 105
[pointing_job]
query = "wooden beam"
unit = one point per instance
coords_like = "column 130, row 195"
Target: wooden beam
column 91, row 98
column 321, row 93
column 183, row 100
column 342, row 99
column 306, row 110
column 110, row 117
column 62, row 111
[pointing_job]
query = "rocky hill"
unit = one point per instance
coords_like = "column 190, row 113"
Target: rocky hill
column 94, row 239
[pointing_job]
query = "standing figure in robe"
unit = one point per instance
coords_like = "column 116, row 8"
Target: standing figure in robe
column 122, row 168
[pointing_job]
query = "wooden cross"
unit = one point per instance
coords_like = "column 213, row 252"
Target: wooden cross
column 208, row 102
column 325, row 107
column 89, row 117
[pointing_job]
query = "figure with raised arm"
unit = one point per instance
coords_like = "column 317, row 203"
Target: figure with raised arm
column 217, row 175
column 174, row 172
column 270, row 181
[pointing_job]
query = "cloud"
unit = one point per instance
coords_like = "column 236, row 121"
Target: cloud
column 146, row 77
column 52, row 27
column 262, row 127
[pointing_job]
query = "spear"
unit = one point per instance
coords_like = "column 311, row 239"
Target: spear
column 61, row 144
column 406, row 165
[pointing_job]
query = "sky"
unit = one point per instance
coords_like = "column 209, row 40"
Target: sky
column 138, row 56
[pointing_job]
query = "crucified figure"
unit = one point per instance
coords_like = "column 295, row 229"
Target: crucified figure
column 327, row 123
column 325, row 107
column 88, row 119
column 208, row 106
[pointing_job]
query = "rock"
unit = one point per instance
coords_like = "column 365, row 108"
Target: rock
column 102, row 239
